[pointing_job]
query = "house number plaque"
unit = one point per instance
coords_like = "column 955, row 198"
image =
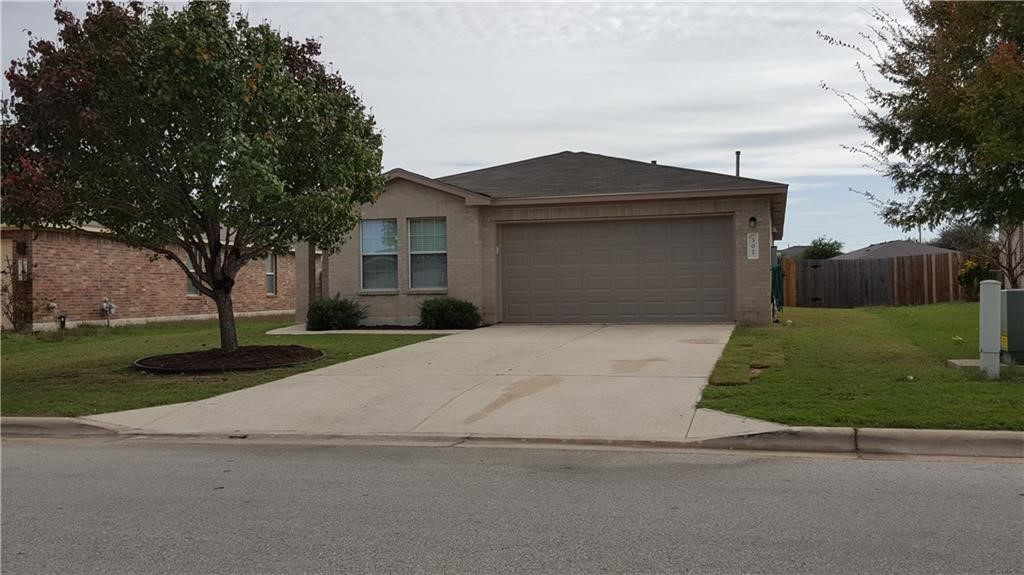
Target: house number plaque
column 753, row 245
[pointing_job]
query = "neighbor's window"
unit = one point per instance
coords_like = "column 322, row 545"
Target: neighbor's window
column 379, row 244
column 428, row 253
column 190, row 286
column 271, row 274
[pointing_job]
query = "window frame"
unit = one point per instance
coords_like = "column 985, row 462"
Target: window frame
column 270, row 271
column 363, row 254
column 191, row 289
column 410, row 253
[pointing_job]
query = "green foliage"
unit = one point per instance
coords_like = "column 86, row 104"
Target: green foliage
column 970, row 239
column 970, row 275
column 334, row 313
column 823, row 248
column 449, row 313
column 946, row 125
column 191, row 133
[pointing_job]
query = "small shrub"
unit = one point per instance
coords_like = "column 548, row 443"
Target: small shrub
column 334, row 313
column 449, row 313
column 972, row 271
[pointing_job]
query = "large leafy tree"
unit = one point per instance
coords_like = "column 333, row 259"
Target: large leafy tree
column 946, row 116
column 971, row 239
column 190, row 133
column 823, row 248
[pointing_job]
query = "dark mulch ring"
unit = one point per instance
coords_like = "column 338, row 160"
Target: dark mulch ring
column 245, row 358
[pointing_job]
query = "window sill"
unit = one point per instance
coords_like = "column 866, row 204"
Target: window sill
column 271, row 295
column 193, row 296
column 428, row 291
column 378, row 292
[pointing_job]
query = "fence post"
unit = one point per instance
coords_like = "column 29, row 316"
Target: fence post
column 949, row 262
column 789, row 282
column 924, row 280
column 935, row 294
column 895, row 282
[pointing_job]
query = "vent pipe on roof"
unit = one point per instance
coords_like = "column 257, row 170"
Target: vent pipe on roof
column 654, row 162
column 737, row 163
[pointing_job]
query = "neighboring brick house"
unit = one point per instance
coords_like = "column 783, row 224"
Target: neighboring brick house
column 77, row 270
column 568, row 238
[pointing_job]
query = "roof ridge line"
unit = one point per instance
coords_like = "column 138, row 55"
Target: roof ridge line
column 641, row 162
column 507, row 164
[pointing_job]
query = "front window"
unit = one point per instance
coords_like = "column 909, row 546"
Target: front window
column 428, row 253
column 379, row 245
column 190, row 286
column 271, row 274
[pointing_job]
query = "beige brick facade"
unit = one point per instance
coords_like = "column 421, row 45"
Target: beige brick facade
column 77, row 270
column 402, row 201
column 473, row 267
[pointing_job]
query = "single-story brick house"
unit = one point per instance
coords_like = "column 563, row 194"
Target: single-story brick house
column 571, row 237
column 76, row 270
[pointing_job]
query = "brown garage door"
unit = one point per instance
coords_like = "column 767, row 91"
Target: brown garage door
column 622, row 271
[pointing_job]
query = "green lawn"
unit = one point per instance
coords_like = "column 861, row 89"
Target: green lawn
column 866, row 367
column 89, row 369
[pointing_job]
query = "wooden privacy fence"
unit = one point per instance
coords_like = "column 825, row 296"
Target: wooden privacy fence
column 904, row 280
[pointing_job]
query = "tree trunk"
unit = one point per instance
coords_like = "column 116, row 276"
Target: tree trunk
column 1011, row 254
column 226, row 317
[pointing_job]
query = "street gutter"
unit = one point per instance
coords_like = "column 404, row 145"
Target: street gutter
column 849, row 440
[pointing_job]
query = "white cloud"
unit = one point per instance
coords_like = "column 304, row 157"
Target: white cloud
column 456, row 86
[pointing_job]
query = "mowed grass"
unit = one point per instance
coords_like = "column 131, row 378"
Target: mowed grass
column 866, row 367
column 89, row 369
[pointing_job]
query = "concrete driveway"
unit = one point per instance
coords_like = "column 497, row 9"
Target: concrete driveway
column 564, row 381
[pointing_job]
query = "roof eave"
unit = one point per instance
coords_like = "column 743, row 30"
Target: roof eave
column 777, row 193
column 641, row 196
column 778, row 211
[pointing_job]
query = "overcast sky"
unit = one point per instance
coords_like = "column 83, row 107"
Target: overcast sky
column 460, row 86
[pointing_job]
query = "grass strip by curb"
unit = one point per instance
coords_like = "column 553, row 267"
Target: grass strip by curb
column 866, row 367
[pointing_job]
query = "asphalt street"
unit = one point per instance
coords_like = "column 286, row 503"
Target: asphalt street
column 139, row 506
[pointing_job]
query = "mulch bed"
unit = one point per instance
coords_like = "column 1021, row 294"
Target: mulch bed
column 249, row 357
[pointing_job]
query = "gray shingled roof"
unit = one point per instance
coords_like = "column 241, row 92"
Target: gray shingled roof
column 895, row 248
column 582, row 173
column 794, row 251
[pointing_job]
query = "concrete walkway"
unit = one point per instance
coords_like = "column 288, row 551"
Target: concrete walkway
column 562, row 381
column 300, row 329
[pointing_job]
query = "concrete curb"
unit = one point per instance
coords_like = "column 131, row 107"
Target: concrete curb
column 812, row 439
column 50, row 427
column 874, row 441
column 442, row 440
column 941, row 442
column 867, row 441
